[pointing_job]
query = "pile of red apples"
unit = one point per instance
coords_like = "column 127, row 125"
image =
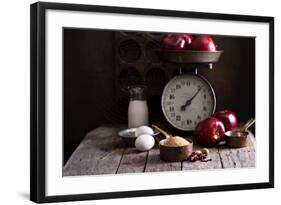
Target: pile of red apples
column 210, row 131
column 181, row 42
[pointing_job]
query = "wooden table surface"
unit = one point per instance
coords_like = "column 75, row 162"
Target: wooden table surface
column 103, row 152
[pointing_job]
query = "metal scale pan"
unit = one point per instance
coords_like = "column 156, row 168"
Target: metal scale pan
column 190, row 56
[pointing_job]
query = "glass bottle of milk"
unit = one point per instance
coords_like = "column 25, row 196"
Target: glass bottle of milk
column 138, row 109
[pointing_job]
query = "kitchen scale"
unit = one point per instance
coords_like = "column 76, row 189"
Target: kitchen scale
column 188, row 97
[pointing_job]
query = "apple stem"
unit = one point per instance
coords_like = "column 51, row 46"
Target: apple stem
column 217, row 132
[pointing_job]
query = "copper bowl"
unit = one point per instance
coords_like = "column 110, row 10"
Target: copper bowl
column 236, row 138
column 174, row 154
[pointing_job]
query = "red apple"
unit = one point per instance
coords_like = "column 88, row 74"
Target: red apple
column 188, row 40
column 174, row 42
column 228, row 119
column 209, row 132
column 203, row 43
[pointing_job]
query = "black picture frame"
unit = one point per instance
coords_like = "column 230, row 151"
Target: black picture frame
column 38, row 97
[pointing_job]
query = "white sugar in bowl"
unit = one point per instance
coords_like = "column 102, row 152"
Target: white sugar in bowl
column 144, row 142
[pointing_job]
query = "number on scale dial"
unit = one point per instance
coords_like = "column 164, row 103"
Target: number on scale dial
column 186, row 100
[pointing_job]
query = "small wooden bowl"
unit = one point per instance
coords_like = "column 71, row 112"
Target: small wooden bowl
column 174, row 154
column 236, row 139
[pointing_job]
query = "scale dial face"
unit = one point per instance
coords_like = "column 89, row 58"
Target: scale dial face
column 186, row 100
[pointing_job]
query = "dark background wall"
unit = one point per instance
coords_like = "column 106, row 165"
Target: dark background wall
column 88, row 77
column 95, row 78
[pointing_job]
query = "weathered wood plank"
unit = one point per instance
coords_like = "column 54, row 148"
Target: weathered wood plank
column 103, row 152
column 155, row 164
column 132, row 161
column 99, row 153
column 238, row 157
column 252, row 140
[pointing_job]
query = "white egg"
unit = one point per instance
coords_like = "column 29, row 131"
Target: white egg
column 144, row 142
column 144, row 130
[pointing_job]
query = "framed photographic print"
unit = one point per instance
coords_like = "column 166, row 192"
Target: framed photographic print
column 129, row 102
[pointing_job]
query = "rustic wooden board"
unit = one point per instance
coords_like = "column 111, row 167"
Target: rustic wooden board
column 155, row 164
column 132, row 161
column 99, row 153
column 103, row 152
column 252, row 150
